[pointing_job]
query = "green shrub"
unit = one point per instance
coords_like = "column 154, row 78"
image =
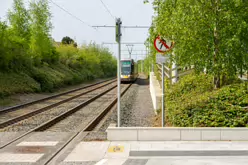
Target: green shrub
column 193, row 103
column 11, row 83
column 52, row 77
column 43, row 79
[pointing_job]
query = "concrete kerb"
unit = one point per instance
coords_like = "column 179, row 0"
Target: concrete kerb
column 155, row 92
column 176, row 134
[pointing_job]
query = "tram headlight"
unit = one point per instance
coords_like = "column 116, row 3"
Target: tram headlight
column 125, row 76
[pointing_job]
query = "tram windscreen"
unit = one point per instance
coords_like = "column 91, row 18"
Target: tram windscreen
column 126, row 67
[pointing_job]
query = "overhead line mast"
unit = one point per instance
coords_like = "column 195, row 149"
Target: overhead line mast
column 118, row 35
column 118, row 40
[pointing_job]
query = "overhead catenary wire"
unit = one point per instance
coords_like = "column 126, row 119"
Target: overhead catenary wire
column 124, row 43
column 107, row 9
column 71, row 14
column 125, row 27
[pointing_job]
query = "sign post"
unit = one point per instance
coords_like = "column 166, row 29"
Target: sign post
column 162, row 46
column 118, row 40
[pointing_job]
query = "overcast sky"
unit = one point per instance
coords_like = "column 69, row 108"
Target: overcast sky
column 132, row 12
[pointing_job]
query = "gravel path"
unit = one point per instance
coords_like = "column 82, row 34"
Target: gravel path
column 136, row 107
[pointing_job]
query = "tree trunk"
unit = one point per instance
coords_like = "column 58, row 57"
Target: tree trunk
column 217, row 81
column 216, row 46
column 224, row 80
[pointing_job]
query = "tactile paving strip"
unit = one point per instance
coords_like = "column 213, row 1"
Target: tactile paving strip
column 78, row 163
column 135, row 162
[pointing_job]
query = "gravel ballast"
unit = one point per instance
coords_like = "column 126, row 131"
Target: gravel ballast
column 136, row 107
column 136, row 110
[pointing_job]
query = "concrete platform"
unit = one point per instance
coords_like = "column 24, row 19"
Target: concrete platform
column 8, row 136
column 38, row 148
column 149, row 153
column 176, row 134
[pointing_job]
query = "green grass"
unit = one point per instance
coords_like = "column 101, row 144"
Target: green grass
column 41, row 79
column 11, row 83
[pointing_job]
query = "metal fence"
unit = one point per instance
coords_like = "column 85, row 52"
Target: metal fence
column 173, row 74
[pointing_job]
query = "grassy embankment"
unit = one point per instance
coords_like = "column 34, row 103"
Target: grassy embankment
column 42, row 79
column 193, row 102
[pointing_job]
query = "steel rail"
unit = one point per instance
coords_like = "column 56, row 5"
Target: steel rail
column 5, row 110
column 98, row 118
column 35, row 112
column 89, row 127
column 58, row 118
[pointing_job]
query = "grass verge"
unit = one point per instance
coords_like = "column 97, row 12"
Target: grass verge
column 193, row 102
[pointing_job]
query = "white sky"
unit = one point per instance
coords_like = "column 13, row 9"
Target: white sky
column 132, row 12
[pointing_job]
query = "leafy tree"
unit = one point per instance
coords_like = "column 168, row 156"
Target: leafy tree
column 41, row 43
column 4, row 60
column 208, row 34
column 67, row 40
column 17, row 37
column 19, row 20
column 67, row 54
column 27, row 44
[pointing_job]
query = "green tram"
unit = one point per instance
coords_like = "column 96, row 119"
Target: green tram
column 129, row 70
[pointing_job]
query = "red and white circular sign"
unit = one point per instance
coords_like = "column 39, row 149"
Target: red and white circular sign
column 162, row 45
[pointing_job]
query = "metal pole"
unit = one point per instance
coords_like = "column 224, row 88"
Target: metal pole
column 118, row 29
column 174, row 71
column 162, row 94
column 119, row 84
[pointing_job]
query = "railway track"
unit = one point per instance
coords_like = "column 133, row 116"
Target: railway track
column 54, row 117
column 9, row 109
column 18, row 113
column 89, row 127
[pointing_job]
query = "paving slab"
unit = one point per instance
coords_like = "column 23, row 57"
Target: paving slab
column 199, row 161
column 6, row 137
column 28, row 151
column 187, row 153
column 60, row 157
column 11, row 157
column 78, row 163
column 118, row 161
column 35, row 148
column 135, row 162
column 88, row 151
column 190, row 152
column 188, row 145
column 113, row 152
column 47, row 143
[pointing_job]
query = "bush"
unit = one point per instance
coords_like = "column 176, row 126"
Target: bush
column 11, row 83
column 55, row 76
column 193, row 103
